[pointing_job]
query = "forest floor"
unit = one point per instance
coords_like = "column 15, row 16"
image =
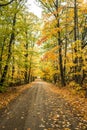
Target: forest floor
column 42, row 106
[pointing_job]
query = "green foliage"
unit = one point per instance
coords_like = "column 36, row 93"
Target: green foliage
column 22, row 50
column 3, row 89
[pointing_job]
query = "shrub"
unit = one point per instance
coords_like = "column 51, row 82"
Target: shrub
column 74, row 85
column 2, row 89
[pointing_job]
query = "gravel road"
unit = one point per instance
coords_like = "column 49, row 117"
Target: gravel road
column 39, row 108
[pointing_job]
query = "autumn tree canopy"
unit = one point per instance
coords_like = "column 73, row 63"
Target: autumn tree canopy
column 65, row 27
column 53, row 47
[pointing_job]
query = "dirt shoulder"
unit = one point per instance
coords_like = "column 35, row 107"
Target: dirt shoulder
column 11, row 93
column 78, row 103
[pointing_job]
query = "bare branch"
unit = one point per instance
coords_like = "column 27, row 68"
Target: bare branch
column 84, row 45
column 6, row 3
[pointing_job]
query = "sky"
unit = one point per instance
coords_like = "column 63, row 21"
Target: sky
column 33, row 7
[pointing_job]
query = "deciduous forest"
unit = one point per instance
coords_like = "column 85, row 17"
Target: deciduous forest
column 43, row 65
column 53, row 47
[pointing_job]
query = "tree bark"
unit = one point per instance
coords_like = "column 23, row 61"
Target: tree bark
column 2, row 50
column 26, row 61
column 75, row 39
column 66, row 42
column 60, row 49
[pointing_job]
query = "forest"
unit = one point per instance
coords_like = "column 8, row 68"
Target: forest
column 53, row 47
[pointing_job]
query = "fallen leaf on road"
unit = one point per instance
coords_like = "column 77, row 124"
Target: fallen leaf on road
column 22, row 117
column 66, row 129
column 41, row 125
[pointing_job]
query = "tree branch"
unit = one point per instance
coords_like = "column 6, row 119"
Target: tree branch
column 6, row 3
column 84, row 45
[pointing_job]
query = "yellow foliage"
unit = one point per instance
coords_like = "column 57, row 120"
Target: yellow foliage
column 74, row 85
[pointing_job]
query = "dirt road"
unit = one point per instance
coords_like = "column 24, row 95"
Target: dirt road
column 39, row 108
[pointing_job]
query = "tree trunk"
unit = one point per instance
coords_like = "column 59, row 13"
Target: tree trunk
column 13, row 69
column 60, row 49
column 65, row 44
column 26, row 61
column 75, row 39
column 2, row 49
column 29, row 75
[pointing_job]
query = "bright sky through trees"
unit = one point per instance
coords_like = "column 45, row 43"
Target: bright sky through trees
column 85, row 1
column 34, row 7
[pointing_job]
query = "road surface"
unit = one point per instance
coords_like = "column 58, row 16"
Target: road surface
column 39, row 108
